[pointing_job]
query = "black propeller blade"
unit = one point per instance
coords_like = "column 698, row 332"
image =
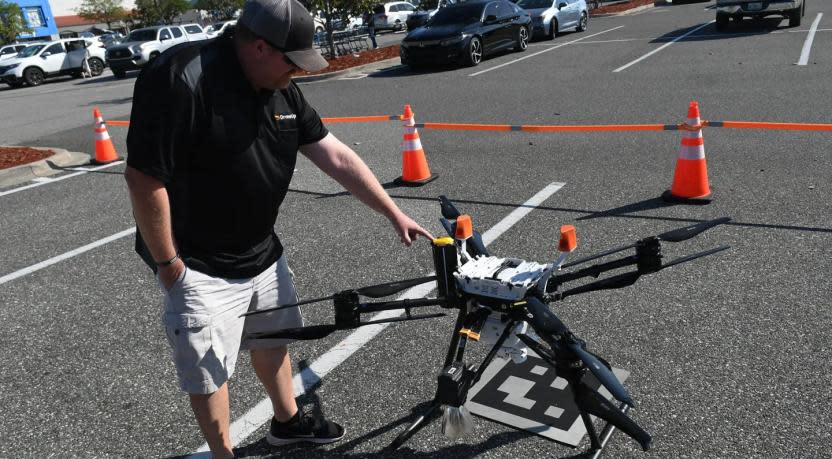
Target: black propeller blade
column 677, row 235
column 390, row 288
column 546, row 324
column 321, row 331
column 592, row 402
column 695, row 256
column 450, row 227
column 373, row 291
column 449, row 211
column 627, row 279
column 683, row 234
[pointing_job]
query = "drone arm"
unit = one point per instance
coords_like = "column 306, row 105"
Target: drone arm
column 593, row 271
column 399, row 304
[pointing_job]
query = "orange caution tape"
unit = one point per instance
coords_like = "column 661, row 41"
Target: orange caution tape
column 778, row 126
column 119, row 122
column 362, row 119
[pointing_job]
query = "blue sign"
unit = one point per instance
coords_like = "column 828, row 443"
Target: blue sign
column 37, row 14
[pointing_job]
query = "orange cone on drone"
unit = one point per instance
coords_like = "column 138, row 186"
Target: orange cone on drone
column 690, row 180
column 105, row 152
column 415, row 171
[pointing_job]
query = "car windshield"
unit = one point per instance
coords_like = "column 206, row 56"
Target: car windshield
column 217, row 26
column 142, row 35
column 30, row 50
column 532, row 4
column 462, row 14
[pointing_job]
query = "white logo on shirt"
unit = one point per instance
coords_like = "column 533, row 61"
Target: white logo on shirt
column 290, row 116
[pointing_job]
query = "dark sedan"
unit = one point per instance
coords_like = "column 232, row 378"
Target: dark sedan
column 466, row 32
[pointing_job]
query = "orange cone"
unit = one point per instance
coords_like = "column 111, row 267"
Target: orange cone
column 105, row 152
column 690, row 180
column 415, row 171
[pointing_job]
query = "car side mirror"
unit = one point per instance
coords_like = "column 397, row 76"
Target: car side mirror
column 490, row 18
column 561, row 6
column 45, row 54
column 163, row 39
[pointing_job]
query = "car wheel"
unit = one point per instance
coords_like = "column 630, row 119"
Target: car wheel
column 474, row 51
column 119, row 74
column 398, row 25
column 582, row 23
column 522, row 39
column 722, row 21
column 553, row 29
column 319, row 29
column 33, row 76
column 96, row 66
column 153, row 55
column 795, row 17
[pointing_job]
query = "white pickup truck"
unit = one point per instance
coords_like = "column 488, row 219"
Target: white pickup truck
column 142, row 46
column 726, row 10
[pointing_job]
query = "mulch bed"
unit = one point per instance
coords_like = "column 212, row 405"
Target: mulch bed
column 15, row 156
column 620, row 7
column 354, row 60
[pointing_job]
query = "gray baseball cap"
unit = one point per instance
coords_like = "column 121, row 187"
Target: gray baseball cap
column 286, row 25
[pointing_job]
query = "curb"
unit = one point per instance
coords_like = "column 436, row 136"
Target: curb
column 26, row 172
column 331, row 75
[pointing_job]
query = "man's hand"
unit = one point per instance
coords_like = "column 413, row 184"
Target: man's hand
column 171, row 273
column 407, row 229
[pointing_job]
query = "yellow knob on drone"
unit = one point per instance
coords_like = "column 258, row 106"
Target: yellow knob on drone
column 440, row 241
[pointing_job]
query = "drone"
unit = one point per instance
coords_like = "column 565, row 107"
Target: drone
column 503, row 302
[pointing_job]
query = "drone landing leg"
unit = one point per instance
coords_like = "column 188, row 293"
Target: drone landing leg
column 456, row 349
column 609, row 429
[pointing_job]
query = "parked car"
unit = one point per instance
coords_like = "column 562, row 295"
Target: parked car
column 34, row 63
column 392, row 15
column 726, row 10
column 217, row 29
column 425, row 11
column 142, row 46
column 195, row 32
column 9, row 51
column 550, row 17
column 466, row 32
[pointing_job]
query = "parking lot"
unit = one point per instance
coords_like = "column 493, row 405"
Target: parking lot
column 728, row 355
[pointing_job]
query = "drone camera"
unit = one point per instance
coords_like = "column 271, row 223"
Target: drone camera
column 464, row 227
column 568, row 239
column 454, row 382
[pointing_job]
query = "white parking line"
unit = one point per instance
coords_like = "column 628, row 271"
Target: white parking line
column 58, row 179
column 310, row 376
column 541, row 52
column 807, row 45
column 65, row 256
column 661, row 47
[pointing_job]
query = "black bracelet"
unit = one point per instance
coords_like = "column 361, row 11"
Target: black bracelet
column 168, row 262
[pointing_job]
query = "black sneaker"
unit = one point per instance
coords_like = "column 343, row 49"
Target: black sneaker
column 303, row 427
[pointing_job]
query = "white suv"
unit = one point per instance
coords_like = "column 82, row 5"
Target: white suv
column 142, row 46
column 392, row 15
column 10, row 51
column 34, row 63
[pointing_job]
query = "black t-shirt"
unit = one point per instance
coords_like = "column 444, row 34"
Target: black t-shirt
column 225, row 152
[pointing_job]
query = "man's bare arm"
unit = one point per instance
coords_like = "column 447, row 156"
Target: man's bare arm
column 342, row 164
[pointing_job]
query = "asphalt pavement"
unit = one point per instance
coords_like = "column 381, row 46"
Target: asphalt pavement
column 728, row 355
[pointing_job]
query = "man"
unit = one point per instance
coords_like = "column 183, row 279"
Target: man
column 213, row 140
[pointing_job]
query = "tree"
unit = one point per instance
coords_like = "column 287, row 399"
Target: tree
column 107, row 11
column 11, row 22
column 219, row 9
column 160, row 11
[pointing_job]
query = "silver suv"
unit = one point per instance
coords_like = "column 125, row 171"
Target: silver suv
column 738, row 9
